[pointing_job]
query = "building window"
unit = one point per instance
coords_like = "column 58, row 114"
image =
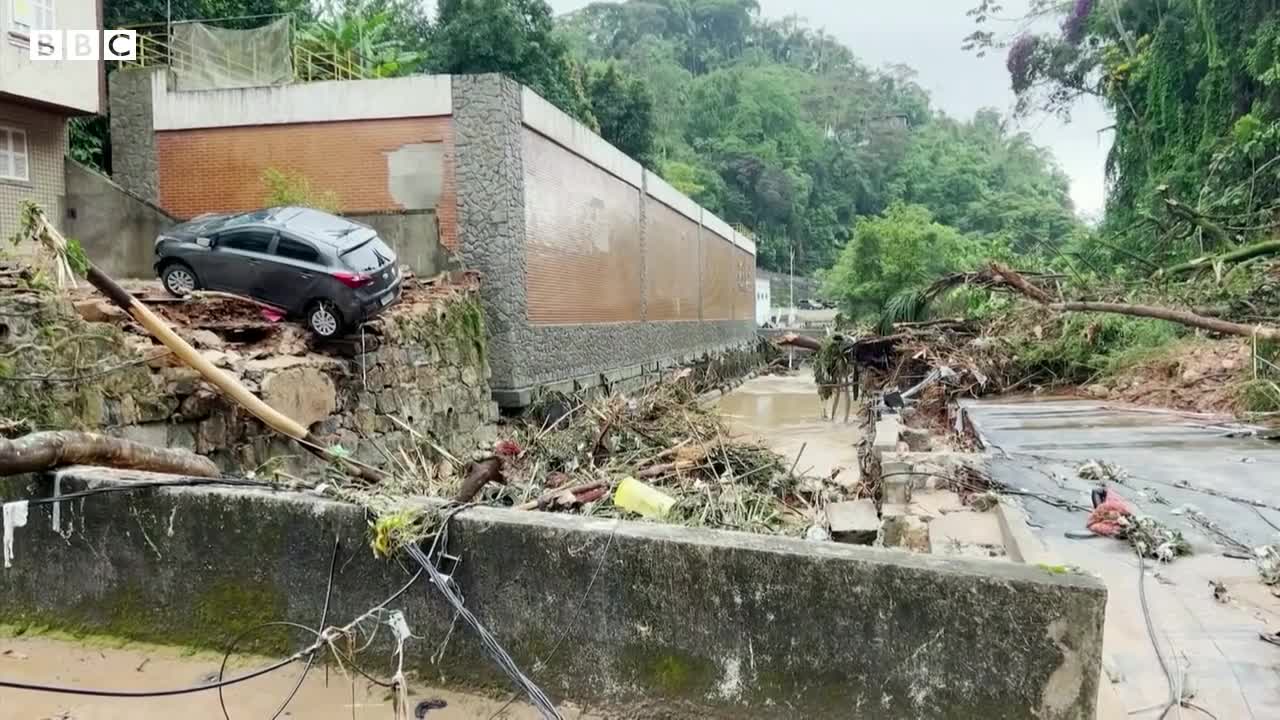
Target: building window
column 31, row 15
column 14, row 160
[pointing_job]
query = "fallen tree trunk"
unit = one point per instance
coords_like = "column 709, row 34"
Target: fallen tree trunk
column 1017, row 282
column 42, row 451
column 1270, row 247
column 480, row 474
column 801, row 341
column 1178, row 316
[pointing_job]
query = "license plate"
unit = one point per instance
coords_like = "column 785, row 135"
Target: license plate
column 386, row 299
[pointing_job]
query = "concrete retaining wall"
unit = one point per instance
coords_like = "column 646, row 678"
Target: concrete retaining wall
column 677, row 623
column 115, row 227
column 415, row 236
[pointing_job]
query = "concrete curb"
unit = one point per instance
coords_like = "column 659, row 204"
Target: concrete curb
column 1020, row 543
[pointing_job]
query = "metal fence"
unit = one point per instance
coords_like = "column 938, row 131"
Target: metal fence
column 159, row 46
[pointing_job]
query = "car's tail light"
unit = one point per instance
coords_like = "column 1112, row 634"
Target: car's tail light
column 353, row 280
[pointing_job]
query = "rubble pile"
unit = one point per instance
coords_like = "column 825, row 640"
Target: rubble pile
column 73, row 360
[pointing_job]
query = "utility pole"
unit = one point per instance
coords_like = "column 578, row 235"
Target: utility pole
column 791, row 315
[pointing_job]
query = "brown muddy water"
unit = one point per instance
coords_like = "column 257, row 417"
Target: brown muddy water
column 784, row 413
column 52, row 661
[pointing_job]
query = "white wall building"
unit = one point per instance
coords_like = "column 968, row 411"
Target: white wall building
column 764, row 301
column 36, row 99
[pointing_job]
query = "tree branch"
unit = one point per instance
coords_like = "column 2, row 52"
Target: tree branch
column 42, row 451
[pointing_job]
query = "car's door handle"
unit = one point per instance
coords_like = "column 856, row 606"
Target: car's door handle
column 304, row 276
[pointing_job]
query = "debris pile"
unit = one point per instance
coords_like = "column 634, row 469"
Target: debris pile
column 661, row 452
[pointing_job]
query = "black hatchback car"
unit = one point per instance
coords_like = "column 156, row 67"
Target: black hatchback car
column 326, row 270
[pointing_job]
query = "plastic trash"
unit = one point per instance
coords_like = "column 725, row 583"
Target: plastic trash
column 643, row 499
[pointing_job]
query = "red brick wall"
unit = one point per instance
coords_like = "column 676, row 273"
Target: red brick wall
column 719, row 276
column 220, row 169
column 671, row 242
column 582, row 237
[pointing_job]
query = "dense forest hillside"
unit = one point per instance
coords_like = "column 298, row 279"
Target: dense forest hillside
column 787, row 134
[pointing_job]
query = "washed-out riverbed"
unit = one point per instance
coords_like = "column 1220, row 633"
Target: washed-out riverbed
column 784, row 412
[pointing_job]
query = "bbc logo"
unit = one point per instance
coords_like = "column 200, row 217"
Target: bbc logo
column 84, row 45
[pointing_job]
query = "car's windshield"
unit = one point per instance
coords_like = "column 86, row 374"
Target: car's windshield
column 222, row 222
column 369, row 256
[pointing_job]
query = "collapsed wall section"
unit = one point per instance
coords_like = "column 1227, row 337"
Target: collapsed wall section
column 424, row 375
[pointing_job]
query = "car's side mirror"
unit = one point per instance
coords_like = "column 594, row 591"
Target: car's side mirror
column 204, row 242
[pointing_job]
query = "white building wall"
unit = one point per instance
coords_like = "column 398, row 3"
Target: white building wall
column 764, row 301
column 69, row 84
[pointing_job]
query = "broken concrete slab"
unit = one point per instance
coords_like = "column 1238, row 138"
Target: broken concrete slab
column 303, row 393
column 853, row 521
column 906, row 532
column 972, row 534
column 942, row 634
column 887, row 429
column 936, row 503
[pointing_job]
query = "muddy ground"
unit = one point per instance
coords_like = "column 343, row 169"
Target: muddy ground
column 142, row 667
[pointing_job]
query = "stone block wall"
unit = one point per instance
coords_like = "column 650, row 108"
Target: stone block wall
column 564, row 229
column 429, row 371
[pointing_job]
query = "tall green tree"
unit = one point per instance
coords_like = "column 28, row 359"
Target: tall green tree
column 1194, row 86
column 515, row 37
column 780, row 129
column 900, row 251
column 624, row 108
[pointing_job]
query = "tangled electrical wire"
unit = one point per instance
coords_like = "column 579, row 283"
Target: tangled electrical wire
column 453, row 596
column 325, row 638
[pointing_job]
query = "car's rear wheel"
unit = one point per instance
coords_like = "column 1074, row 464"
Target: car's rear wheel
column 179, row 279
column 324, row 319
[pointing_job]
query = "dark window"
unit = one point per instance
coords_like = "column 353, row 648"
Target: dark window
column 247, row 240
column 369, row 256
column 296, row 250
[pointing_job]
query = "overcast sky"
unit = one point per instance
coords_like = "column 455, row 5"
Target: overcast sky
column 926, row 34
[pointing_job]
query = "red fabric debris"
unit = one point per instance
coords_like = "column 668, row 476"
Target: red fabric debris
column 272, row 315
column 1106, row 518
column 506, row 448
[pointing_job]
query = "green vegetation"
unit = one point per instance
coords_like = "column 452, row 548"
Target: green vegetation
column 782, row 131
column 290, row 188
column 1194, row 86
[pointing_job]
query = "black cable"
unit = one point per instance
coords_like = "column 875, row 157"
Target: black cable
column 311, row 658
column 91, row 692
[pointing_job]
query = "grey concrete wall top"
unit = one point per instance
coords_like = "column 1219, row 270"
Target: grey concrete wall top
column 415, row 236
column 115, row 227
column 677, row 623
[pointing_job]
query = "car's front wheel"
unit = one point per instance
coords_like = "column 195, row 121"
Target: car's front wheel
column 179, row 280
column 324, row 319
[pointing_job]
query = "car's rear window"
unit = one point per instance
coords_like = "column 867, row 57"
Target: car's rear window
column 369, row 256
